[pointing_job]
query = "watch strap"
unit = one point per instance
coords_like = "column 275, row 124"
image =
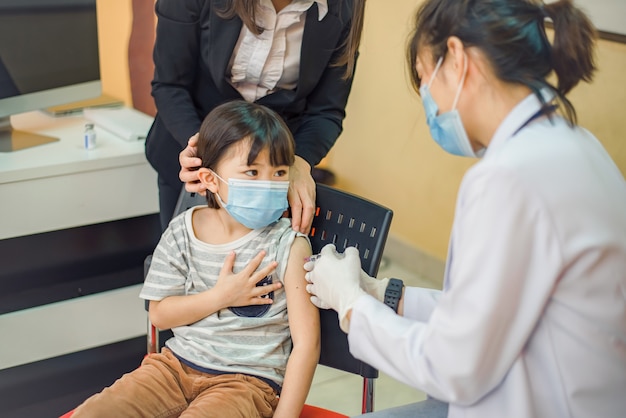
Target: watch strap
column 393, row 293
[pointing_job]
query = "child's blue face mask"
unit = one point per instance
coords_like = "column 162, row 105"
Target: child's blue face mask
column 447, row 128
column 255, row 203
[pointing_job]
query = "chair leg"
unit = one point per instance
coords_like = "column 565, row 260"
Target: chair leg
column 153, row 338
column 368, row 395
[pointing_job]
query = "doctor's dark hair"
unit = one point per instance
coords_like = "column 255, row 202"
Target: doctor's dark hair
column 237, row 121
column 512, row 36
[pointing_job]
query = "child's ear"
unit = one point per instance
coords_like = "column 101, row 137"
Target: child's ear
column 208, row 179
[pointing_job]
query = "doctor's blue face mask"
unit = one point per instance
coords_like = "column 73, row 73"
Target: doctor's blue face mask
column 255, row 203
column 447, row 128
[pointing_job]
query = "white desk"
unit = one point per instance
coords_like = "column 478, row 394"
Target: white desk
column 61, row 185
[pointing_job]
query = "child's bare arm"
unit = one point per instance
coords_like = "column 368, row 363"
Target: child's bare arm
column 305, row 334
column 231, row 290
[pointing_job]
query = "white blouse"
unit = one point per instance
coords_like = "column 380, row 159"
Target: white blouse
column 260, row 64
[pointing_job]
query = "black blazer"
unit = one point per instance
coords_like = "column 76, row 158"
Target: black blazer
column 191, row 54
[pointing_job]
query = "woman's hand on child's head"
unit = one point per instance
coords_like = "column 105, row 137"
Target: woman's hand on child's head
column 240, row 289
column 301, row 196
column 189, row 163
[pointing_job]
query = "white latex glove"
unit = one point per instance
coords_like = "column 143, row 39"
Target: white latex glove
column 334, row 281
column 372, row 286
column 308, row 266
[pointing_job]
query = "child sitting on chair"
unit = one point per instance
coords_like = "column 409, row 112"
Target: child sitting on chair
column 223, row 277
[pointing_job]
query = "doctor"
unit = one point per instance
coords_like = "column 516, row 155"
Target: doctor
column 532, row 318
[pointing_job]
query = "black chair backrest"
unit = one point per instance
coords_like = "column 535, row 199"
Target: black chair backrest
column 187, row 200
column 347, row 220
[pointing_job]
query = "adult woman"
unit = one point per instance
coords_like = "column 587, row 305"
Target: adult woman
column 532, row 318
column 295, row 57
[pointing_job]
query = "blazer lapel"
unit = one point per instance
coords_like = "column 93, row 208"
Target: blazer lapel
column 319, row 41
column 221, row 37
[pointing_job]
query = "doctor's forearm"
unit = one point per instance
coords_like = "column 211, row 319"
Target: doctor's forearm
column 401, row 303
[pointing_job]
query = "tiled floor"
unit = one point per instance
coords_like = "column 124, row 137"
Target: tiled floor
column 341, row 392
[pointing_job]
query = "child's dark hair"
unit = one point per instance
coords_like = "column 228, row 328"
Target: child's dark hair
column 237, row 121
column 511, row 34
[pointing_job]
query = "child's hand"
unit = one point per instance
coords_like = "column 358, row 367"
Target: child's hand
column 240, row 289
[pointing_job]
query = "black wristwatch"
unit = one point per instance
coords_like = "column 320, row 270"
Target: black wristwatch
column 393, row 293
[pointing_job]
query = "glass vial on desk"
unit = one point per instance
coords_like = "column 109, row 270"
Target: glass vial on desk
column 89, row 141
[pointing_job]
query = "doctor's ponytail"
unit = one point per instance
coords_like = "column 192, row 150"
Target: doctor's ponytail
column 572, row 48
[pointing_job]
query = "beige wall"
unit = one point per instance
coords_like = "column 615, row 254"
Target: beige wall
column 114, row 26
column 386, row 153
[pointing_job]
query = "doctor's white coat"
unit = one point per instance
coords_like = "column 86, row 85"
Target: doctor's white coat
column 532, row 319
